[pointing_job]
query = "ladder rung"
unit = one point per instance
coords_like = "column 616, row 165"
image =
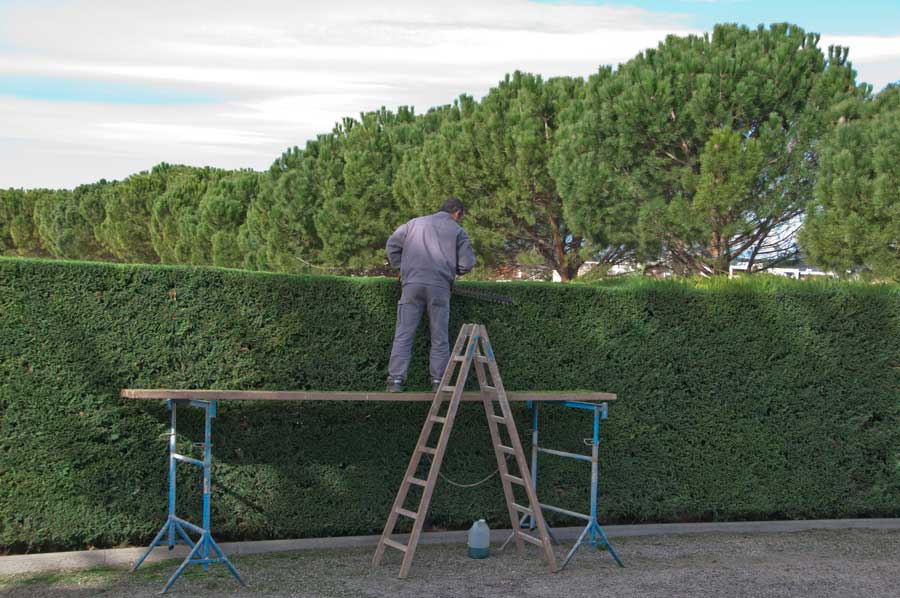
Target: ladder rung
column 522, row 509
column 448, row 388
column 527, row 538
column 489, row 388
column 429, row 450
column 393, row 544
column 438, row 419
column 482, row 358
column 514, row 479
column 417, row 482
column 497, row 418
column 407, row 513
column 459, row 358
column 506, row 449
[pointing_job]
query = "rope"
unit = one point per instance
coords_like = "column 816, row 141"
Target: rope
column 458, row 485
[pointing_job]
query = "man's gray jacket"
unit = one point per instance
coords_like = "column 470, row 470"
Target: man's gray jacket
column 430, row 250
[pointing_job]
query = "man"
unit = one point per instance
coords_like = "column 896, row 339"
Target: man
column 431, row 251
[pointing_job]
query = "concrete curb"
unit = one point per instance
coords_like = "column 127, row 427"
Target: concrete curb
column 125, row 557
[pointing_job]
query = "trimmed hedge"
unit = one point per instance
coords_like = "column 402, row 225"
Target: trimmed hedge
column 738, row 400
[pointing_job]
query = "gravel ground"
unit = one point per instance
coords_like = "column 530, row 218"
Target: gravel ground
column 812, row 563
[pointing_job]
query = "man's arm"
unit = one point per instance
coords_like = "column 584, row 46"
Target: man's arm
column 465, row 257
column 395, row 246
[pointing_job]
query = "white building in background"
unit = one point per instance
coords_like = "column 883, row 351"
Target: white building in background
column 737, row 268
column 796, row 273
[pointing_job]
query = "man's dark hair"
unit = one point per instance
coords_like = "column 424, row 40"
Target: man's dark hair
column 452, row 205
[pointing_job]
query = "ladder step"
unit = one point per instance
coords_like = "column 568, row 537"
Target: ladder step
column 482, row 358
column 429, row 450
column 497, row 418
column 506, row 449
column 528, row 538
column 417, row 482
column 459, row 358
column 522, row 509
column 514, row 479
column 489, row 388
column 407, row 513
column 438, row 419
column 393, row 544
column 448, row 388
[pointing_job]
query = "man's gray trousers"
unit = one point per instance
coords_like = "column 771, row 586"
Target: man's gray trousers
column 414, row 300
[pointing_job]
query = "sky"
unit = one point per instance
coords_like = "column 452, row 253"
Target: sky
column 93, row 89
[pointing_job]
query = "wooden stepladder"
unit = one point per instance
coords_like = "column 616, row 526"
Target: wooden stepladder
column 472, row 347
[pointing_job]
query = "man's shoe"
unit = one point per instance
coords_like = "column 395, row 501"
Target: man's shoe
column 395, row 385
column 435, row 384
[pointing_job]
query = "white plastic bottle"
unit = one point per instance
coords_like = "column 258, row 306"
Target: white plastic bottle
column 479, row 540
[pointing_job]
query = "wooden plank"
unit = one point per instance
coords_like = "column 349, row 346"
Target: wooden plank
column 292, row 395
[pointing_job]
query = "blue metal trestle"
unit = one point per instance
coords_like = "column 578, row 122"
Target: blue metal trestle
column 205, row 550
column 592, row 535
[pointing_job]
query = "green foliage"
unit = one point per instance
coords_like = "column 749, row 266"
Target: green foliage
column 357, row 217
column 737, row 400
column 632, row 153
column 495, row 156
column 18, row 231
column 174, row 214
column 125, row 229
column 855, row 221
column 92, row 212
column 281, row 232
column 61, row 224
column 729, row 169
column 220, row 215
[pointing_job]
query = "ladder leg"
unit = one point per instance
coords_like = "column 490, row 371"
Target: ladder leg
column 488, row 400
column 417, row 453
column 441, row 448
column 521, row 461
column 534, row 452
column 462, row 356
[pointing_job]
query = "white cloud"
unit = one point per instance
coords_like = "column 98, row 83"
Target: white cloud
column 284, row 70
column 875, row 58
column 162, row 133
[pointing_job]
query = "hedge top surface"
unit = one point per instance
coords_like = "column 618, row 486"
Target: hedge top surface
column 756, row 283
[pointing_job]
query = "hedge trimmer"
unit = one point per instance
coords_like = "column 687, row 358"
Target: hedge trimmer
column 482, row 295
column 478, row 294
